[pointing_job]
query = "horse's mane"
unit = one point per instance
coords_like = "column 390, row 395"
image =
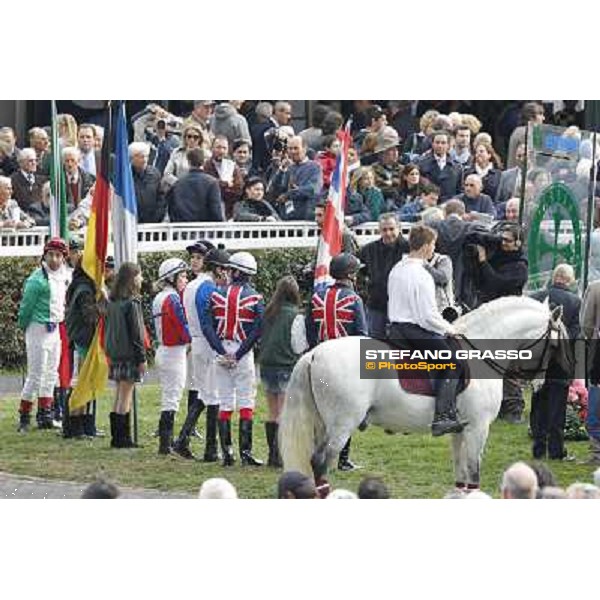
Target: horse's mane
column 496, row 312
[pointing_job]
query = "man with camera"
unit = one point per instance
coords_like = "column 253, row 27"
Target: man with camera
column 504, row 273
column 297, row 183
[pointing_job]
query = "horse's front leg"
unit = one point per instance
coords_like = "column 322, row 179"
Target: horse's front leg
column 475, row 440
column 459, row 454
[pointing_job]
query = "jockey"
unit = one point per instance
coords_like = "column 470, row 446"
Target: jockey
column 196, row 297
column 173, row 337
column 41, row 311
column 414, row 316
column 337, row 311
column 231, row 324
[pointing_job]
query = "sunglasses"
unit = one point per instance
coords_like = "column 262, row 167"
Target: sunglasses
column 192, row 136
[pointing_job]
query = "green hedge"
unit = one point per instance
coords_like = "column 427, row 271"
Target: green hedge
column 273, row 264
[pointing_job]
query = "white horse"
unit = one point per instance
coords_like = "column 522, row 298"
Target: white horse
column 327, row 399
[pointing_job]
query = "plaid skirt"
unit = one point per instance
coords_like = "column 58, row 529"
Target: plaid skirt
column 124, row 371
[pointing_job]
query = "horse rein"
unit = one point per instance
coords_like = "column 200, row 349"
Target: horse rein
column 518, row 372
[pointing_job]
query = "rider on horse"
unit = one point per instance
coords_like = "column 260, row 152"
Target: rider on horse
column 415, row 318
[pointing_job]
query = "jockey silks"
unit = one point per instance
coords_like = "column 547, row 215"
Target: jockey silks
column 170, row 323
column 336, row 311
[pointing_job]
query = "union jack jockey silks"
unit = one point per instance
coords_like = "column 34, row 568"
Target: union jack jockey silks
column 236, row 315
column 336, row 311
column 232, row 323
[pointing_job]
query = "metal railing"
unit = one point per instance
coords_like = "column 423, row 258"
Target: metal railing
column 165, row 237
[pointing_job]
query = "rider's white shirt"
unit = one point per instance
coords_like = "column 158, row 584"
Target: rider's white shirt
column 411, row 293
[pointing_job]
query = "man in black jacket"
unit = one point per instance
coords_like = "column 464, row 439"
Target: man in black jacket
column 146, row 180
column 196, row 196
column 549, row 404
column 440, row 169
column 505, row 274
column 379, row 257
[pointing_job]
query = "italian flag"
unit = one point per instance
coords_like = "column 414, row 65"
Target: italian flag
column 58, row 186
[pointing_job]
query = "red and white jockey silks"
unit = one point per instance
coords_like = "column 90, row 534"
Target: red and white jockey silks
column 173, row 336
column 170, row 323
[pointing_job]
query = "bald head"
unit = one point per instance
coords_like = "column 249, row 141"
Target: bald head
column 296, row 149
column 519, row 482
column 473, row 185
column 512, row 209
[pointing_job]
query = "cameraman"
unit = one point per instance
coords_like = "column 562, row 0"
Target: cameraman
column 505, row 272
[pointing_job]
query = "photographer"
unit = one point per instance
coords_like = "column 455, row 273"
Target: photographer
column 505, row 272
column 297, row 183
column 145, row 122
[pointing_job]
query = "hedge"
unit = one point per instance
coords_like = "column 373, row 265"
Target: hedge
column 273, row 264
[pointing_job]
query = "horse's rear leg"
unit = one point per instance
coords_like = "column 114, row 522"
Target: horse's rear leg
column 475, row 440
column 323, row 457
column 459, row 452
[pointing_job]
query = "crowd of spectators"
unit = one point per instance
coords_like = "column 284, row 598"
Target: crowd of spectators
column 244, row 160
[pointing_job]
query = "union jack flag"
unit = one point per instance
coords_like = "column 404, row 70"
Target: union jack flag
column 331, row 313
column 232, row 312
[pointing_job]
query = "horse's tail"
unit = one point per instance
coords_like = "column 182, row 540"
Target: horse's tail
column 300, row 420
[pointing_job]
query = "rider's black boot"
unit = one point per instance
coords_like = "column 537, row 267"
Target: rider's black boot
column 445, row 419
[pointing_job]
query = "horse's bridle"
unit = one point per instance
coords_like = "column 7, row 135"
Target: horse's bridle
column 520, row 373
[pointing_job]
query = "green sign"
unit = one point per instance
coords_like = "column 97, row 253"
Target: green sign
column 556, row 204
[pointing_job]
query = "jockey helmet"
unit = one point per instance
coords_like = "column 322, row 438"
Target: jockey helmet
column 343, row 265
column 199, row 247
column 58, row 245
column 170, row 268
column 244, row 262
column 216, row 256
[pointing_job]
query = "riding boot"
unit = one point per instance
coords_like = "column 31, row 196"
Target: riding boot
column 444, row 419
column 211, row 453
column 24, row 417
column 245, row 441
column 182, row 444
column 126, row 431
column 344, row 462
column 271, row 430
column 225, row 437
column 192, row 401
column 113, row 416
column 76, row 426
column 165, row 429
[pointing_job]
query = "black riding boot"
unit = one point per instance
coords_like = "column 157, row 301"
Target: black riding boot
column 192, row 399
column 344, row 462
column 445, row 420
column 165, row 431
column 245, row 441
column 113, row 417
column 76, row 426
column 24, row 422
column 271, row 430
column 225, row 436
column 182, row 445
column 211, row 453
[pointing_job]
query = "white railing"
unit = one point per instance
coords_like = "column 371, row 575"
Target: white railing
column 165, row 237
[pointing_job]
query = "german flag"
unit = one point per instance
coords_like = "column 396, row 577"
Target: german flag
column 93, row 375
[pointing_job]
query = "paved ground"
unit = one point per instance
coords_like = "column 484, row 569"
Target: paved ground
column 20, row 488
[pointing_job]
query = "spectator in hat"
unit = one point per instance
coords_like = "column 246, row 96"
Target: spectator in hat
column 376, row 120
column 293, row 485
column 387, row 169
column 75, row 251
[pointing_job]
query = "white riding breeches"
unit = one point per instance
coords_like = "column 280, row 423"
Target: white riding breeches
column 237, row 385
column 202, row 370
column 171, row 362
column 43, row 358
